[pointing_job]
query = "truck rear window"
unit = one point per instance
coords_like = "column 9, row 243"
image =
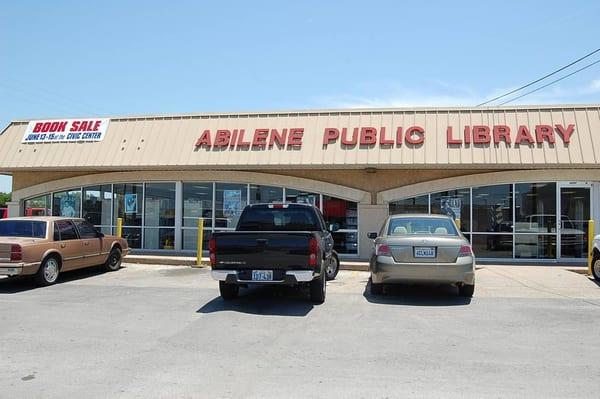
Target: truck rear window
column 283, row 219
column 22, row 228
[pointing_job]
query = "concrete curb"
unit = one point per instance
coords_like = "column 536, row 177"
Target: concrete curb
column 190, row 261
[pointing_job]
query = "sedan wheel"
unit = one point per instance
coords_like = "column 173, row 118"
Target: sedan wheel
column 114, row 260
column 48, row 272
column 596, row 269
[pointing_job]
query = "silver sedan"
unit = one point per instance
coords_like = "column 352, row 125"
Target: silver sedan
column 428, row 249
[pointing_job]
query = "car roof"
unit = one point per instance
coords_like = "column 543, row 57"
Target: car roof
column 42, row 218
column 420, row 215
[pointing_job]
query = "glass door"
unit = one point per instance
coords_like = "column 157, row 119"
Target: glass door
column 574, row 214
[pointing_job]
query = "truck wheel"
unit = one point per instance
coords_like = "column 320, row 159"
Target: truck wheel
column 228, row 291
column 317, row 289
column 113, row 263
column 333, row 267
column 376, row 289
column 48, row 272
column 466, row 290
column 596, row 267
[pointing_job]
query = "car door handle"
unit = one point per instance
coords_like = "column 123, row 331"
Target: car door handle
column 86, row 243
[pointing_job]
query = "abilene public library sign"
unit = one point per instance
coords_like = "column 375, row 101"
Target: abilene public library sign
column 480, row 135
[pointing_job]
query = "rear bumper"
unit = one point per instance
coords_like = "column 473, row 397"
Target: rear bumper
column 291, row 277
column 18, row 269
column 385, row 270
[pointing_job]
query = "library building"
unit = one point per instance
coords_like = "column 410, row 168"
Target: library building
column 523, row 181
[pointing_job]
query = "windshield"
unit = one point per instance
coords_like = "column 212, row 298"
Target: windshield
column 285, row 219
column 22, row 228
column 421, row 226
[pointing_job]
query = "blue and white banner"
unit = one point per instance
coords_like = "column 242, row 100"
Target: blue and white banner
column 65, row 130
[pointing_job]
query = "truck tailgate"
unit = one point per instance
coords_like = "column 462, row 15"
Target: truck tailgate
column 262, row 250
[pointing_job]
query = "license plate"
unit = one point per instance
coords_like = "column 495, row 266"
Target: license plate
column 424, row 252
column 262, row 275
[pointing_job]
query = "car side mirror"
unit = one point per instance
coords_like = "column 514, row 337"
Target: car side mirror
column 100, row 235
column 333, row 227
column 372, row 235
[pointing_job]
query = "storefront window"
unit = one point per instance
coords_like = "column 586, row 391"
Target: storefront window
column 418, row 204
column 492, row 245
column 38, row 206
column 535, row 207
column 265, row 194
column 535, row 246
column 302, row 197
column 197, row 203
column 454, row 203
column 345, row 243
column 190, row 239
column 128, row 203
column 67, row 203
column 133, row 235
column 159, row 238
column 344, row 215
column 159, row 204
column 230, row 201
column 493, row 209
column 97, row 205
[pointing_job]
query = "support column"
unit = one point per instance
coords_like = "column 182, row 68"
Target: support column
column 371, row 218
column 178, row 214
column 13, row 209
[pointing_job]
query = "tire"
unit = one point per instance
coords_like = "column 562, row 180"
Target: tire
column 376, row 289
column 113, row 263
column 318, row 289
column 333, row 267
column 466, row 290
column 228, row 291
column 596, row 267
column 48, row 272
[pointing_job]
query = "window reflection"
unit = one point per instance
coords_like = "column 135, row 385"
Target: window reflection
column 454, row 203
column 38, row 206
column 410, row 205
column 492, row 209
column 67, row 203
column 535, row 207
column 230, row 201
column 97, row 205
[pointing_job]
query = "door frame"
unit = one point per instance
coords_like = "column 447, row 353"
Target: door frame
column 559, row 186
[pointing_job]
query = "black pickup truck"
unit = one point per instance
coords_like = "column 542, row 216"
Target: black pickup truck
column 275, row 244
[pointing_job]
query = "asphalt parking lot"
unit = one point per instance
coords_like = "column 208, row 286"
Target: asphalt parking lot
column 163, row 331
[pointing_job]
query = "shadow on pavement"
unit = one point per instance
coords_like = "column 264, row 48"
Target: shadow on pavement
column 417, row 295
column 270, row 301
column 18, row 284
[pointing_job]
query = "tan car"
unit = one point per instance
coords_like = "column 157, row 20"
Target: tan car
column 44, row 246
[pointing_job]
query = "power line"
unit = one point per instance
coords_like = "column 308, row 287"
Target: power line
column 540, row 79
column 551, row 83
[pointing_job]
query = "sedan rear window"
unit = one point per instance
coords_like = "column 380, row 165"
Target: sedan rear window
column 421, row 226
column 23, row 228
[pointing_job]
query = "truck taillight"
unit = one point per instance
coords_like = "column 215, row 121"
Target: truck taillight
column 212, row 249
column 16, row 252
column 465, row 250
column 313, row 251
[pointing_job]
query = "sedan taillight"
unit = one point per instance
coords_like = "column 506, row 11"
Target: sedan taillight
column 212, row 249
column 383, row 250
column 465, row 250
column 16, row 253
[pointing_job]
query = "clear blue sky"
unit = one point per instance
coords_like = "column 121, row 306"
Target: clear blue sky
column 74, row 58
